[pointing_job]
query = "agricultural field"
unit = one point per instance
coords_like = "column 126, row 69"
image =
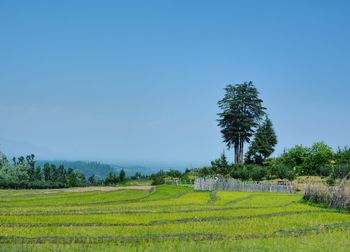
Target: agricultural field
column 167, row 218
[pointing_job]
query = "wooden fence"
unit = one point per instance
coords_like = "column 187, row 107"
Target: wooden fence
column 230, row 184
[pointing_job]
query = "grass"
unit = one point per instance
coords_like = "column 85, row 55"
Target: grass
column 167, row 218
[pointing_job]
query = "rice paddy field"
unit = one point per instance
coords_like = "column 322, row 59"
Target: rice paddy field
column 167, row 218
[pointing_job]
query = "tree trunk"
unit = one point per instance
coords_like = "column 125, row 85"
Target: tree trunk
column 241, row 151
column 236, row 153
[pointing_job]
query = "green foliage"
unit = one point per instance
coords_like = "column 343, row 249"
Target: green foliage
column 263, row 144
column 98, row 169
column 121, row 175
column 294, row 159
column 342, row 155
column 340, row 171
column 284, row 173
column 240, row 172
column 204, row 171
column 22, row 173
column 318, row 160
column 111, row 179
column 319, row 155
column 241, row 111
column 160, row 177
column 257, row 173
column 220, row 165
column 249, row 172
column 325, row 170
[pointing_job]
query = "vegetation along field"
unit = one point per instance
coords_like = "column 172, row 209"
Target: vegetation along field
column 171, row 218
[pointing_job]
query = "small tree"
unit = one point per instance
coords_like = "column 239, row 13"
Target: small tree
column 263, row 144
column 122, row 175
column 92, row 179
column 294, row 159
column 111, row 178
column 220, row 165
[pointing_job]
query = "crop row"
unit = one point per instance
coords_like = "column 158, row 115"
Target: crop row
column 143, row 220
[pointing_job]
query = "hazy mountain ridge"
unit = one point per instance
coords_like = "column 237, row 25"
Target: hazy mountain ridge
column 99, row 169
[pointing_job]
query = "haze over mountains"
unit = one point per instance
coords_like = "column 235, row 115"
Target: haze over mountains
column 102, row 169
column 88, row 166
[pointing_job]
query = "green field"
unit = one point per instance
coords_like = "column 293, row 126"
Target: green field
column 167, row 218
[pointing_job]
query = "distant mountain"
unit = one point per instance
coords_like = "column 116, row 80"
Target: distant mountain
column 100, row 169
column 88, row 168
column 132, row 169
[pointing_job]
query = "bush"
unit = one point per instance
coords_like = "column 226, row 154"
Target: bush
column 294, row 158
column 320, row 155
column 284, row 173
column 257, row 173
column 340, row 171
column 325, row 170
column 342, row 156
column 240, row 172
column 158, row 181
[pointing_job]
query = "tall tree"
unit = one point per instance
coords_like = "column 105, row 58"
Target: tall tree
column 241, row 112
column 263, row 144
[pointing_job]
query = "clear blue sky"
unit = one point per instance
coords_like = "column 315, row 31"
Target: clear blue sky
column 140, row 80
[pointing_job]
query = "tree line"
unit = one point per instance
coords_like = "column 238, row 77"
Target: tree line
column 23, row 173
column 316, row 160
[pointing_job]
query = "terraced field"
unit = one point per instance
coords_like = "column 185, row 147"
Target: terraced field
column 167, row 218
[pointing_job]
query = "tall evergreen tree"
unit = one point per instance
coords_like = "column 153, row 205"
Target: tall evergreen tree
column 241, row 112
column 263, row 144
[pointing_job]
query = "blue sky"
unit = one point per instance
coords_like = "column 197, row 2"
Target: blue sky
column 140, row 80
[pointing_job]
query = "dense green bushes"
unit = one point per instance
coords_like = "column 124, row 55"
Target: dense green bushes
column 317, row 160
column 246, row 172
column 160, row 177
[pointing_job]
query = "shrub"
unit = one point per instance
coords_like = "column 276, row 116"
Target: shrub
column 342, row 156
column 335, row 197
column 325, row 170
column 240, row 172
column 294, row 158
column 157, row 180
column 320, row 155
column 284, row 173
column 257, row 173
column 340, row 171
